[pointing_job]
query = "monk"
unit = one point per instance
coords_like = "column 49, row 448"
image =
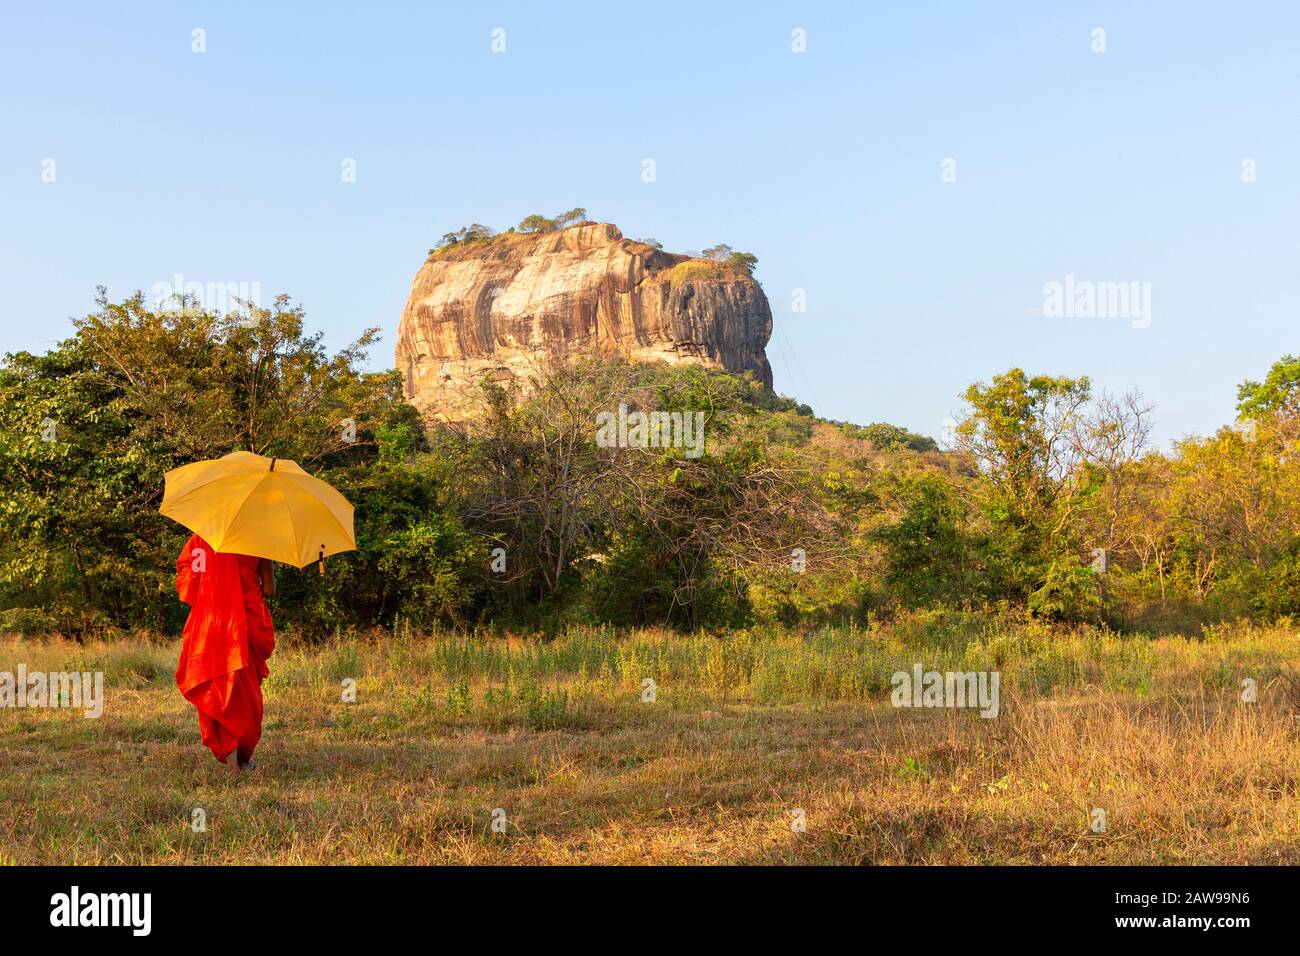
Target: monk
column 225, row 646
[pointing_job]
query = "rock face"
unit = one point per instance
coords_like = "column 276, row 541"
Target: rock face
column 495, row 307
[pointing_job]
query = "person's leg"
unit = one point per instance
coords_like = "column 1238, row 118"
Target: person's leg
column 246, row 709
column 230, row 717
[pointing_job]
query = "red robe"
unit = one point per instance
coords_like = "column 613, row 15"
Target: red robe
column 227, row 640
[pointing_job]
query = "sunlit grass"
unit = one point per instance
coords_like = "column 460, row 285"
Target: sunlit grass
column 744, row 728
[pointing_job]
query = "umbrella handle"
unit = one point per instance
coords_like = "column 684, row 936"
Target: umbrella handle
column 321, row 561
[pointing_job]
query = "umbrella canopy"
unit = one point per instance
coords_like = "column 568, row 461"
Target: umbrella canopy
column 267, row 507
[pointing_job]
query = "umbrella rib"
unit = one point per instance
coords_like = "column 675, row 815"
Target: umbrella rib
column 339, row 525
column 346, row 534
column 202, row 486
column 297, row 538
column 333, row 517
column 317, row 488
column 230, row 526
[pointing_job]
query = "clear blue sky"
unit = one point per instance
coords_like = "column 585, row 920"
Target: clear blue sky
column 1119, row 166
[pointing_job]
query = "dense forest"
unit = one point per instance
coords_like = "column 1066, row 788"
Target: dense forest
column 1046, row 500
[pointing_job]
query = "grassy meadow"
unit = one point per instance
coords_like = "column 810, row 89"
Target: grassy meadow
column 744, row 729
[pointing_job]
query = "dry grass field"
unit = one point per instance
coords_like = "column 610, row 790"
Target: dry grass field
column 744, row 730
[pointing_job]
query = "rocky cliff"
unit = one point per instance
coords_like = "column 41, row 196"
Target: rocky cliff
column 494, row 307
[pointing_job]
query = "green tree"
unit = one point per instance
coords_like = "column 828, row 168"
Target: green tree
column 77, row 533
column 1021, row 431
column 742, row 260
column 884, row 435
column 1279, row 393
column 471, row 233
column 574, row 215
column 88, row 430
column 536, row 223
column 928, row 556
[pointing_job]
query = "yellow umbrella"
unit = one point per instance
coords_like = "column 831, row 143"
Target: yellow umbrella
column 267, row 507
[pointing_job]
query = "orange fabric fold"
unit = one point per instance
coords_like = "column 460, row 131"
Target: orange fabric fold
column 227, row 641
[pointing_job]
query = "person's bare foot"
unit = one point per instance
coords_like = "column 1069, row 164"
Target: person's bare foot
column 232, row 761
